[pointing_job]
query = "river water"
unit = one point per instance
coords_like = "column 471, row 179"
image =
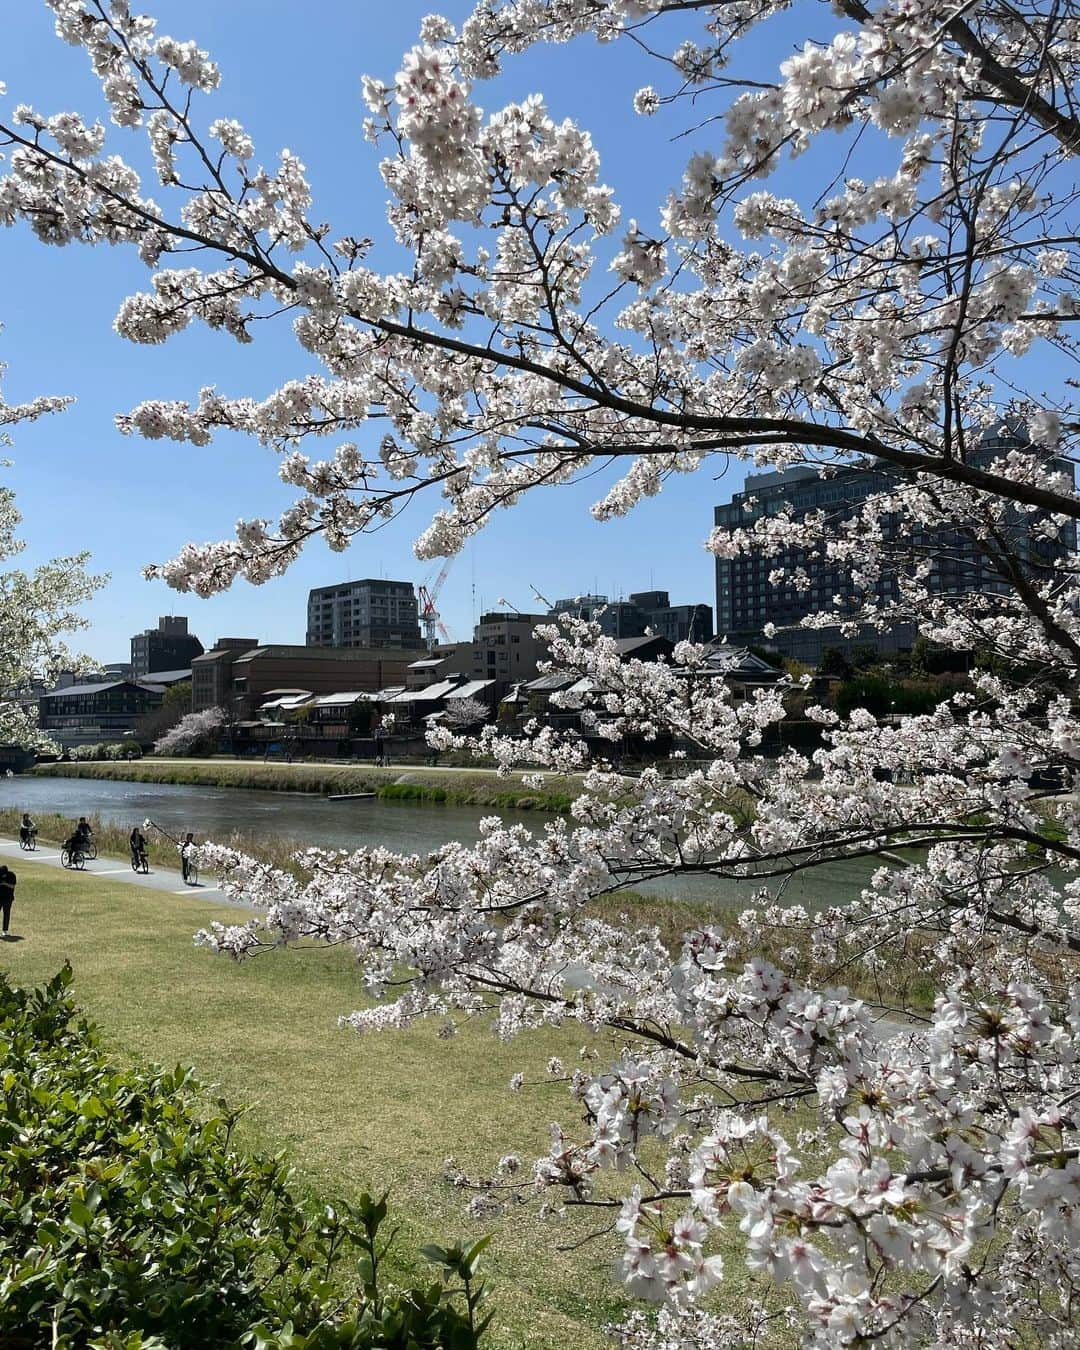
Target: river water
column 405, row 827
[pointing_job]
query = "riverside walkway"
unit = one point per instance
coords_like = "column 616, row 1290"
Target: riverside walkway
column 157, row 879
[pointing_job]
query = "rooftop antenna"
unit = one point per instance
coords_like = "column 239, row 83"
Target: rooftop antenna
column 472, row 559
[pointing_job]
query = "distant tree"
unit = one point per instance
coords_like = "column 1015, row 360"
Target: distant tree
column 880, row 696
column 174, row 707
column 198, row 733
column 834, row 662
column 360, row 717
column 465, row 712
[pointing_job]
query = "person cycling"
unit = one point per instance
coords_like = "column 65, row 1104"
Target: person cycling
column 85, row 834
column 187, row 863
column 27, row 830
column 137, row 844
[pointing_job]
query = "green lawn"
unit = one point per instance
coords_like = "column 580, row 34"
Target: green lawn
column 354, row 1112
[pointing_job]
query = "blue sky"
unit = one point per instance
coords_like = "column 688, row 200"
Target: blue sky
column 291, row 74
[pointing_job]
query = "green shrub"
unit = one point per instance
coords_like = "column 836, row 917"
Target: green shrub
column 121, row 750
column 880, row 696
column 129, row 1219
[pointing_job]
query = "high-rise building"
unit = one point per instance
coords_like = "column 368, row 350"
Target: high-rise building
column 169, row 646
column 746, row 600
column 369, row 613
column 644, row 611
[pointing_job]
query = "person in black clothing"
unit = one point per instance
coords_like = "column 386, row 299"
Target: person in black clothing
column 185, row 849
column 7, row 894
column 137, row 844
column 83, row 830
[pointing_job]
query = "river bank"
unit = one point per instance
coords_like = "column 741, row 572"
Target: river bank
column 272, row 825
column 452, row 785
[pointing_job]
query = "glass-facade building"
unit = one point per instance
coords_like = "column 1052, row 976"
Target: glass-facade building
column 746, row 600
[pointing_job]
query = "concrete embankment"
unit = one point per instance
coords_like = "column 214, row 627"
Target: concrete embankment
column 456, row 786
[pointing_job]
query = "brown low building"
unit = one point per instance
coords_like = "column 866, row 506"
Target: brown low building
column 241, row 681
column 211, row 673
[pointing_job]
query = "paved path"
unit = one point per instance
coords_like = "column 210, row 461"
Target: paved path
column 157, row 879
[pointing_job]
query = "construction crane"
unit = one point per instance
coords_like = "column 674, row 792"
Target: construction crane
column 429, row 614
column 543, row 599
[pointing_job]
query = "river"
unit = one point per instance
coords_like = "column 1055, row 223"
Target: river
column 404, row 826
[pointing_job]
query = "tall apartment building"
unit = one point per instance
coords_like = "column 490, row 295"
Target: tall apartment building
column 644, row 611
column 369, row 613
column 169, row 646
column 746, row 600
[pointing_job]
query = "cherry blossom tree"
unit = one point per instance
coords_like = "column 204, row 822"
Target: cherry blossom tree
column 37, row 609
column 906, row 1174
column 195, row 733
column 465, row 712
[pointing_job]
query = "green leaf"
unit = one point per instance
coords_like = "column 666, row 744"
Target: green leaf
column 80, row 1215
column 473, row 1254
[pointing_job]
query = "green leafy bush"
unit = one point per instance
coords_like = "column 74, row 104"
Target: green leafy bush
column 880, row 696
column 130, row 1220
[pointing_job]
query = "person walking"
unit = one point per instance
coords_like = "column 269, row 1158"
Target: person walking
column 187, row 867
column 7, row 895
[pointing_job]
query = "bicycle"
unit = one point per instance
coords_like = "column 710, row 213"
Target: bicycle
column 90, row 849
column 189, row 872
column 28, row 840
column 72, row 857
column 139, row 861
